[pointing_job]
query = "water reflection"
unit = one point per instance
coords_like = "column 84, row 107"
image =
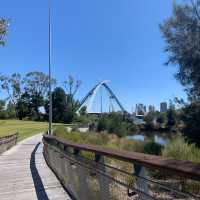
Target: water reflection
column 157, row 138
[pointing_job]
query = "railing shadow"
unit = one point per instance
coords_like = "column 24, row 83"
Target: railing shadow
column 39, row 187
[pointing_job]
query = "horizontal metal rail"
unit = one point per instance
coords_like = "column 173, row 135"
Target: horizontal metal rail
column 77, row 172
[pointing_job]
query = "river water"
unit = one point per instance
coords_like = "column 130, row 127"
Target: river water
column 159, row 138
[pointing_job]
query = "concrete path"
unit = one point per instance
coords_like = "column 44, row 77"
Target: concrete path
column 24, row 174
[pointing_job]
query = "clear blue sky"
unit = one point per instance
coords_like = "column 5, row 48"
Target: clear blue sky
column 117, row 40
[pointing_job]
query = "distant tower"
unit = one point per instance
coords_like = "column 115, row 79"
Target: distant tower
column 140, row 109
column 151, row 108
column 163, row 107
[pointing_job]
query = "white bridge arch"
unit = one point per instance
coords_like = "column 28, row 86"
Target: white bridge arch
column 92, row 94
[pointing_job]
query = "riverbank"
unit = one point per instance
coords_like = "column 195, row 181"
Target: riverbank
column 176, row 147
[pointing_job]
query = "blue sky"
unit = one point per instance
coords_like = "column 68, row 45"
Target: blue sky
column 116, row 40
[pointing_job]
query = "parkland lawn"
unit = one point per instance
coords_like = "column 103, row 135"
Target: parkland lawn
column 24, row 128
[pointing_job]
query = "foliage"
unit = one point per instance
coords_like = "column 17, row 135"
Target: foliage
column 11, row 111
column 2, row 105
column 109, row 140
column 102, row 124
column 59, row 105
column 12, row 85
column 114, row 122
column 162, row 118
column 151, row 147
column 83, row 110
column 37, row 83
column 181, row 32
column 182, row 36
column 180, row 150
column 3, row 30
column 23, row 108
column 150, row 120
column 171, row 117
column 27, row 95
column 191, row 119
column 72, row 87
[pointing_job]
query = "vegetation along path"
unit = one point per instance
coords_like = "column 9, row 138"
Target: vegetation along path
column 25, row 174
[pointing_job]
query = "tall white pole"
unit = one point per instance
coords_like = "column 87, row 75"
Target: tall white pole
column 50, row 89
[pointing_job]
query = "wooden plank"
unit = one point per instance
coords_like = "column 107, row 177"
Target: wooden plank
column 24, row 174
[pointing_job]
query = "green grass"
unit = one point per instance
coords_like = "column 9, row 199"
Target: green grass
column 24, row 128
column 108, row 140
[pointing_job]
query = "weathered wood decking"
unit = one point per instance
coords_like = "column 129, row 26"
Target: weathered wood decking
column 24, row 174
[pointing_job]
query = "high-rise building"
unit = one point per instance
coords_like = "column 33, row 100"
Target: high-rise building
column 140, row 109
column 151, row 108
column 163, row 107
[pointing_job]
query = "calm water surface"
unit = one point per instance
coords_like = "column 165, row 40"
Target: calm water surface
column 158, row 138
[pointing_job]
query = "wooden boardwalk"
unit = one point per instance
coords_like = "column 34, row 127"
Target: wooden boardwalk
column 24, row 174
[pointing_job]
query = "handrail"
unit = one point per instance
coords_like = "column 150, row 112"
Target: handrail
column 8, row 138
column 184, row 168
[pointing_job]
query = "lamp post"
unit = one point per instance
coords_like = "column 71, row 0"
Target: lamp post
column 50, row 88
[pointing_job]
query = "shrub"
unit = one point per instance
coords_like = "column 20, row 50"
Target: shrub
column 3, row 115
column 180, row 150
column 151, row 147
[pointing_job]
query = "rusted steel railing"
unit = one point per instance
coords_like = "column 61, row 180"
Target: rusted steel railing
column 7, row 142
column 89, row 172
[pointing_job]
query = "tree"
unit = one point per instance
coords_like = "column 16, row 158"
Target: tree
column 191, row 118
column 11, row 110
column 150, row 119
column 2, row 105
column 162, row 118
column 12, row 85
column 72, row 86
column 37, row 85
column 102, row 123
column 172, row 116
column 182, row 36
column 59, row 105
column 23, row 108
column 3, row 31
column 83, row 110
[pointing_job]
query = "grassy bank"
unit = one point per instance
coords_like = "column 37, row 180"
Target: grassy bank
column 177, row 148
column 24, row 128
column 109, row 140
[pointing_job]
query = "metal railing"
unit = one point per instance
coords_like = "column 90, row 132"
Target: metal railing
column 7, row 142
column 89, row 172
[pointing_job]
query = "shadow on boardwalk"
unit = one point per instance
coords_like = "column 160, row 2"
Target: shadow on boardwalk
column 39, row 187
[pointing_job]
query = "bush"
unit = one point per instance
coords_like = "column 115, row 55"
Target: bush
column 151, row 147
column 191, row 119
column 180, row 150
column 60, row 131
column 4, row 115
column 101, row 125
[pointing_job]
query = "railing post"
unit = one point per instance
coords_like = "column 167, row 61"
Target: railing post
column 103, row 181
column 82, row 176
column 70, row 182
column 142, row 185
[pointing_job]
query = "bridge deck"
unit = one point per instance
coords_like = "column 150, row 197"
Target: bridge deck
column 24, row 174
